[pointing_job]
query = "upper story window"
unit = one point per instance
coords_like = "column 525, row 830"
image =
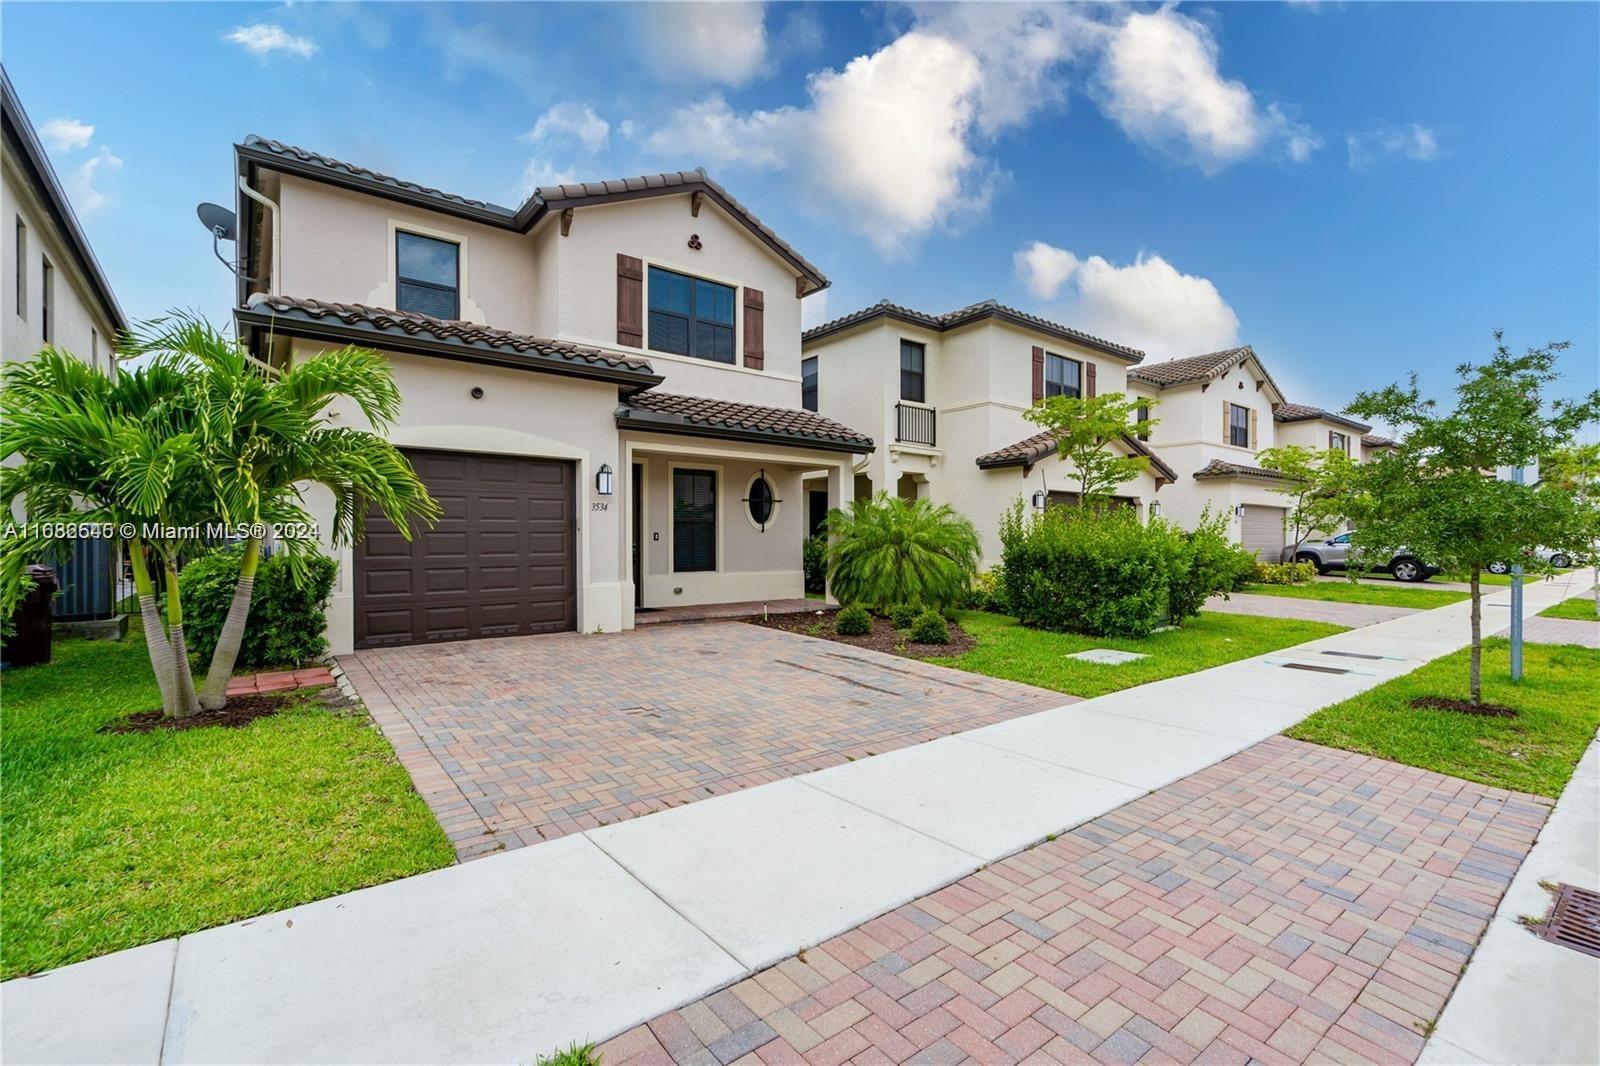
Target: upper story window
column 913, row 359
column 691, row 316
column 808, row 383
column 1238, row 426
column 47, row 282
column 427, row 275
column 22, row 268
column 1339, row 442
column 1142, row 414
column 1062, row 376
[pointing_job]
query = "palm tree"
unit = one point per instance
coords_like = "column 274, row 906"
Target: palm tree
column 116, row 452
column 263, row 437
column 885, row 551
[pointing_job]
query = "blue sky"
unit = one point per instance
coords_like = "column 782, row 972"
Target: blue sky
column 1356, row 190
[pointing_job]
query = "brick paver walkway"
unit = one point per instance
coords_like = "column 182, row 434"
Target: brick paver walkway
column 1353, row 615
column 522, row 739
column 1538, row 630
column 1293, row 903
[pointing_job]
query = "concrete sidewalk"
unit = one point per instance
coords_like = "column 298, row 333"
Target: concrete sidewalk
column 508, row 957
column 1523, row 999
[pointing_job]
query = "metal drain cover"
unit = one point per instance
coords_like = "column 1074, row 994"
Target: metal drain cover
column 1314, row 668
column 1354, row 655
column 1575, row 921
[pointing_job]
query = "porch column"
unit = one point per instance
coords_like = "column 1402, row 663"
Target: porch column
column 841, row 489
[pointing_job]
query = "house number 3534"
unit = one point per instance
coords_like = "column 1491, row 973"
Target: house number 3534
column 599, row 505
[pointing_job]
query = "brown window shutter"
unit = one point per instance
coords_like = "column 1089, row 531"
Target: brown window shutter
column 1330, row 440
column 1038, row 374
column 630, row 301
column 1253, row 428
column 1227, row 424
column 755, row 354
column 1088, row 378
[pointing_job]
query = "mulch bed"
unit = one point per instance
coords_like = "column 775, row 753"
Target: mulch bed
column 1483, row 710
column 237, row 713
column 884, row 636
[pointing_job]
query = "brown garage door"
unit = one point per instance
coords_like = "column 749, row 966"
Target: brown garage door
column 1261, row 531
column 501, row 560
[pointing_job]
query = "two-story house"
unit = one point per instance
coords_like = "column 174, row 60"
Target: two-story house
column 1216, row 412
column 601, row 388
column 946, row 395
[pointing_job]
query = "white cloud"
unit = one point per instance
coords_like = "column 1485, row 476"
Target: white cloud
column 702, row 42
column 1044, row 268
column 543, row 172
column 571, row 121
column 66, row 134
column 1159, row 80
column 83, row 187
column 264, row 38
column 1412, row 141
column 814, row 309
column 1147, row 304
column 882, row 143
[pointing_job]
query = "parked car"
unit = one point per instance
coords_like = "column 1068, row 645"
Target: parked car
column 1554, row 556
column 1335, row 553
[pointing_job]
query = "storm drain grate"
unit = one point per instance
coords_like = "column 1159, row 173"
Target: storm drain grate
column 1354, row 655
column 1314, row 668
column 1575, row 922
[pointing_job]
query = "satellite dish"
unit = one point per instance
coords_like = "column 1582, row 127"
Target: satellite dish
column 217, row 219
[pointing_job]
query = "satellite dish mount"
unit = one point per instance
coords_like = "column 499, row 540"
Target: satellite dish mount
column 224, row 227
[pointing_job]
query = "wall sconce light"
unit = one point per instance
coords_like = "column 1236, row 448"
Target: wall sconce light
column 1238, row 512
column 602, row 480
column 1155, row 508
column 1040, row 498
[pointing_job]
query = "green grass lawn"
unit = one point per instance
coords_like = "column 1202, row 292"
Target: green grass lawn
column 1580, row 607
column 1534, row 752
column 1397, row 595
column 114, row 840
column 1035, row 657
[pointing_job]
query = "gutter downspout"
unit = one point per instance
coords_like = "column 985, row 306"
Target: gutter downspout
column 277, row 244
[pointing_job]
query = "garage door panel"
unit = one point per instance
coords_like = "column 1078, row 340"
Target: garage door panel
column 501, row 561
column 1261, row 531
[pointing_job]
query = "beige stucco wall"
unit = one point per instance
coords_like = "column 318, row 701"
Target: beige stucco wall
column 339, row 246
column 521, row 413
column 80, row 324
column 657, row 230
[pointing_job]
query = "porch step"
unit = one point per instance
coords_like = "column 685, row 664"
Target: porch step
column 724, row 612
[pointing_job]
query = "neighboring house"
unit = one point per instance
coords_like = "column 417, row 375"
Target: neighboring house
column 1372, row 444
column 1216, row 413
column 601, row 388
column 946, row 396
column 55, row 291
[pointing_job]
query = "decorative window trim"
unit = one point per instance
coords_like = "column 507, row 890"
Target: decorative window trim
column 1051, row 359
column 777, row 503
column 389, row 294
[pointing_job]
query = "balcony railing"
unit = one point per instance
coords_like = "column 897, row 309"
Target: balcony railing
column 914, row 425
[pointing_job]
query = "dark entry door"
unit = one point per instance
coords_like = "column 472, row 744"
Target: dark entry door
column 501, row 561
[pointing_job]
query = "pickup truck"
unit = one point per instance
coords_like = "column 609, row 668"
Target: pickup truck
column 1335, row 554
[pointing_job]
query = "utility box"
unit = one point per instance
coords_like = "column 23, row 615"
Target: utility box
column 29, row 644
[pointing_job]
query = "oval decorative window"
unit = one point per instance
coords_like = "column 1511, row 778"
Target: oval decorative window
column 760, row 501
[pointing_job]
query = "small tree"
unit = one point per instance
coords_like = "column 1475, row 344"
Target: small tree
column 1436, row 493
column 1317, row 483
column 1083, row 426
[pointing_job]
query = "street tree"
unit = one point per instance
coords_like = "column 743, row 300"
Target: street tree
column 1084, row 427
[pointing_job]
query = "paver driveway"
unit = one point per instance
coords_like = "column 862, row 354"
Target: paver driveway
column 523, row 739
column 1292, row 903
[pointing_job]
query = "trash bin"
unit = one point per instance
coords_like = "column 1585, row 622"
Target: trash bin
column 30, row 642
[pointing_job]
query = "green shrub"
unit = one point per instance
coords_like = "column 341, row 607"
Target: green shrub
column 987, row 592
column 1283, row 573
column 903, row 614
column 286, row 622
column 815, row 561
column 1104, row 572
column 929, row 628
column 1210, row 563
column 886, row 550
column 853, row 621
